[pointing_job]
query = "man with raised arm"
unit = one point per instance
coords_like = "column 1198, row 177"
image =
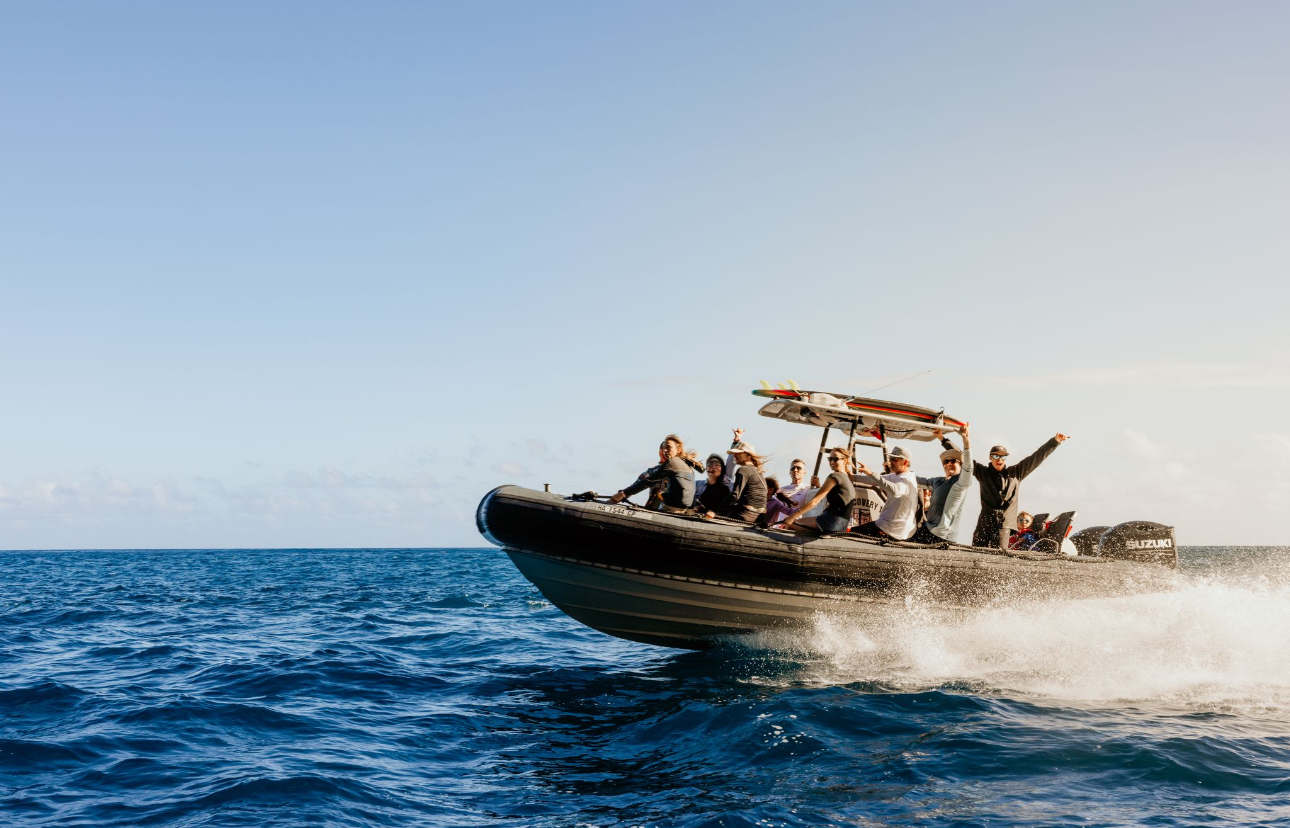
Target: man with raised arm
column 1000, row 487
column 949, row 493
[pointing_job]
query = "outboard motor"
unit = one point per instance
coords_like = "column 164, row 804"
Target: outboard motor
column 1140, row 540
column 1086, row 540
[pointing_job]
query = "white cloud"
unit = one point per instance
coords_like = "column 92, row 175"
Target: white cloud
column 69, row 498
column 1142, row 447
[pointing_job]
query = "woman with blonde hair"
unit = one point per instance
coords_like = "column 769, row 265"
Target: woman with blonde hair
column 673, row 477
column 691, row 458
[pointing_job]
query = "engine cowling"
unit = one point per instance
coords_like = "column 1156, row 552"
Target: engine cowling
column 1086, row 540
column 1140, row 540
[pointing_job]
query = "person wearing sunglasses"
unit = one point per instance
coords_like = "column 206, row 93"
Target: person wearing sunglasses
column 674, row 477
column 1000, row 489
column 796, row 490
column 1025, row 536
column 948, row 493
column 711, row 495
column 837, row 491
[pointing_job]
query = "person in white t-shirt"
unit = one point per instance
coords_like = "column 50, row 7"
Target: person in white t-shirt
column 898, row 517
column 797, row 490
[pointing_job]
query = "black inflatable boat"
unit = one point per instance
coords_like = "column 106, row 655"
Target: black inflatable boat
column 682, row 581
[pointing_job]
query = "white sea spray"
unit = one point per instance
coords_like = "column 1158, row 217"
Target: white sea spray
column 1218, row 643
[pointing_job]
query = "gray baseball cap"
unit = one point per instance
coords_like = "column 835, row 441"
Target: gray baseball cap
column 898, row 453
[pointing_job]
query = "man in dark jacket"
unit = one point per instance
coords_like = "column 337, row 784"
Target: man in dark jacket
column 1000, row 486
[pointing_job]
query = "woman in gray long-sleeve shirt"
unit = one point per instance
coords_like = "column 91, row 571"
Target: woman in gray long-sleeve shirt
column 949, row 493
column 673, row 473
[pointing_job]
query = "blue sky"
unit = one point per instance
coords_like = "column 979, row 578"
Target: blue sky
column 302, row 274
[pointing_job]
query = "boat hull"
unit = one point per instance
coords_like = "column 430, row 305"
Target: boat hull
column 669, row 610
column 680, row 581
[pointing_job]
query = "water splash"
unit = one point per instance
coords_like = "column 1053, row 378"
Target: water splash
column 1217, row 644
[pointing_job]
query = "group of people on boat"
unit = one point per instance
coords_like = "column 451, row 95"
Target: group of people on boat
column 912, row 508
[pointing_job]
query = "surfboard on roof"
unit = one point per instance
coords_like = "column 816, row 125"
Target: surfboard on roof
column 872, row 417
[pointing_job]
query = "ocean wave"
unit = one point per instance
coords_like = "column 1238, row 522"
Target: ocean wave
column 182, row 692
column 204, row 719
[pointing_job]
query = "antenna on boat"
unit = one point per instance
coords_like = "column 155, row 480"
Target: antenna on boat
column 897, row 382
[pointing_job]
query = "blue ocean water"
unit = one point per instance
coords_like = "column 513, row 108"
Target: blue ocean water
column 437, row 688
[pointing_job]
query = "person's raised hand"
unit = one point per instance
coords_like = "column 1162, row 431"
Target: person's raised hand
column 1061, row 438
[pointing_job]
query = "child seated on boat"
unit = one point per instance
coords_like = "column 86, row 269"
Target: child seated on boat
column 1023, row 537
column 778, row 504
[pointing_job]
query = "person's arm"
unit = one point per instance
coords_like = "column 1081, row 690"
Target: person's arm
column 872, row 480
column 965, row 478
column 945, row 443
column 811, row 504
column 966, row 468
column 731, row 468
column 731, row 465
column 649, row 477
column 1023, row 469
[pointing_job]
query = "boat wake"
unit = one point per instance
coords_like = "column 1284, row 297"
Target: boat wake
column 1217, row 644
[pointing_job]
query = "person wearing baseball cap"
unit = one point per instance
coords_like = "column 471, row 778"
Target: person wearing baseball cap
column 900, row 514
column 949, row 493
column 745, row 481
column 1000, row 488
